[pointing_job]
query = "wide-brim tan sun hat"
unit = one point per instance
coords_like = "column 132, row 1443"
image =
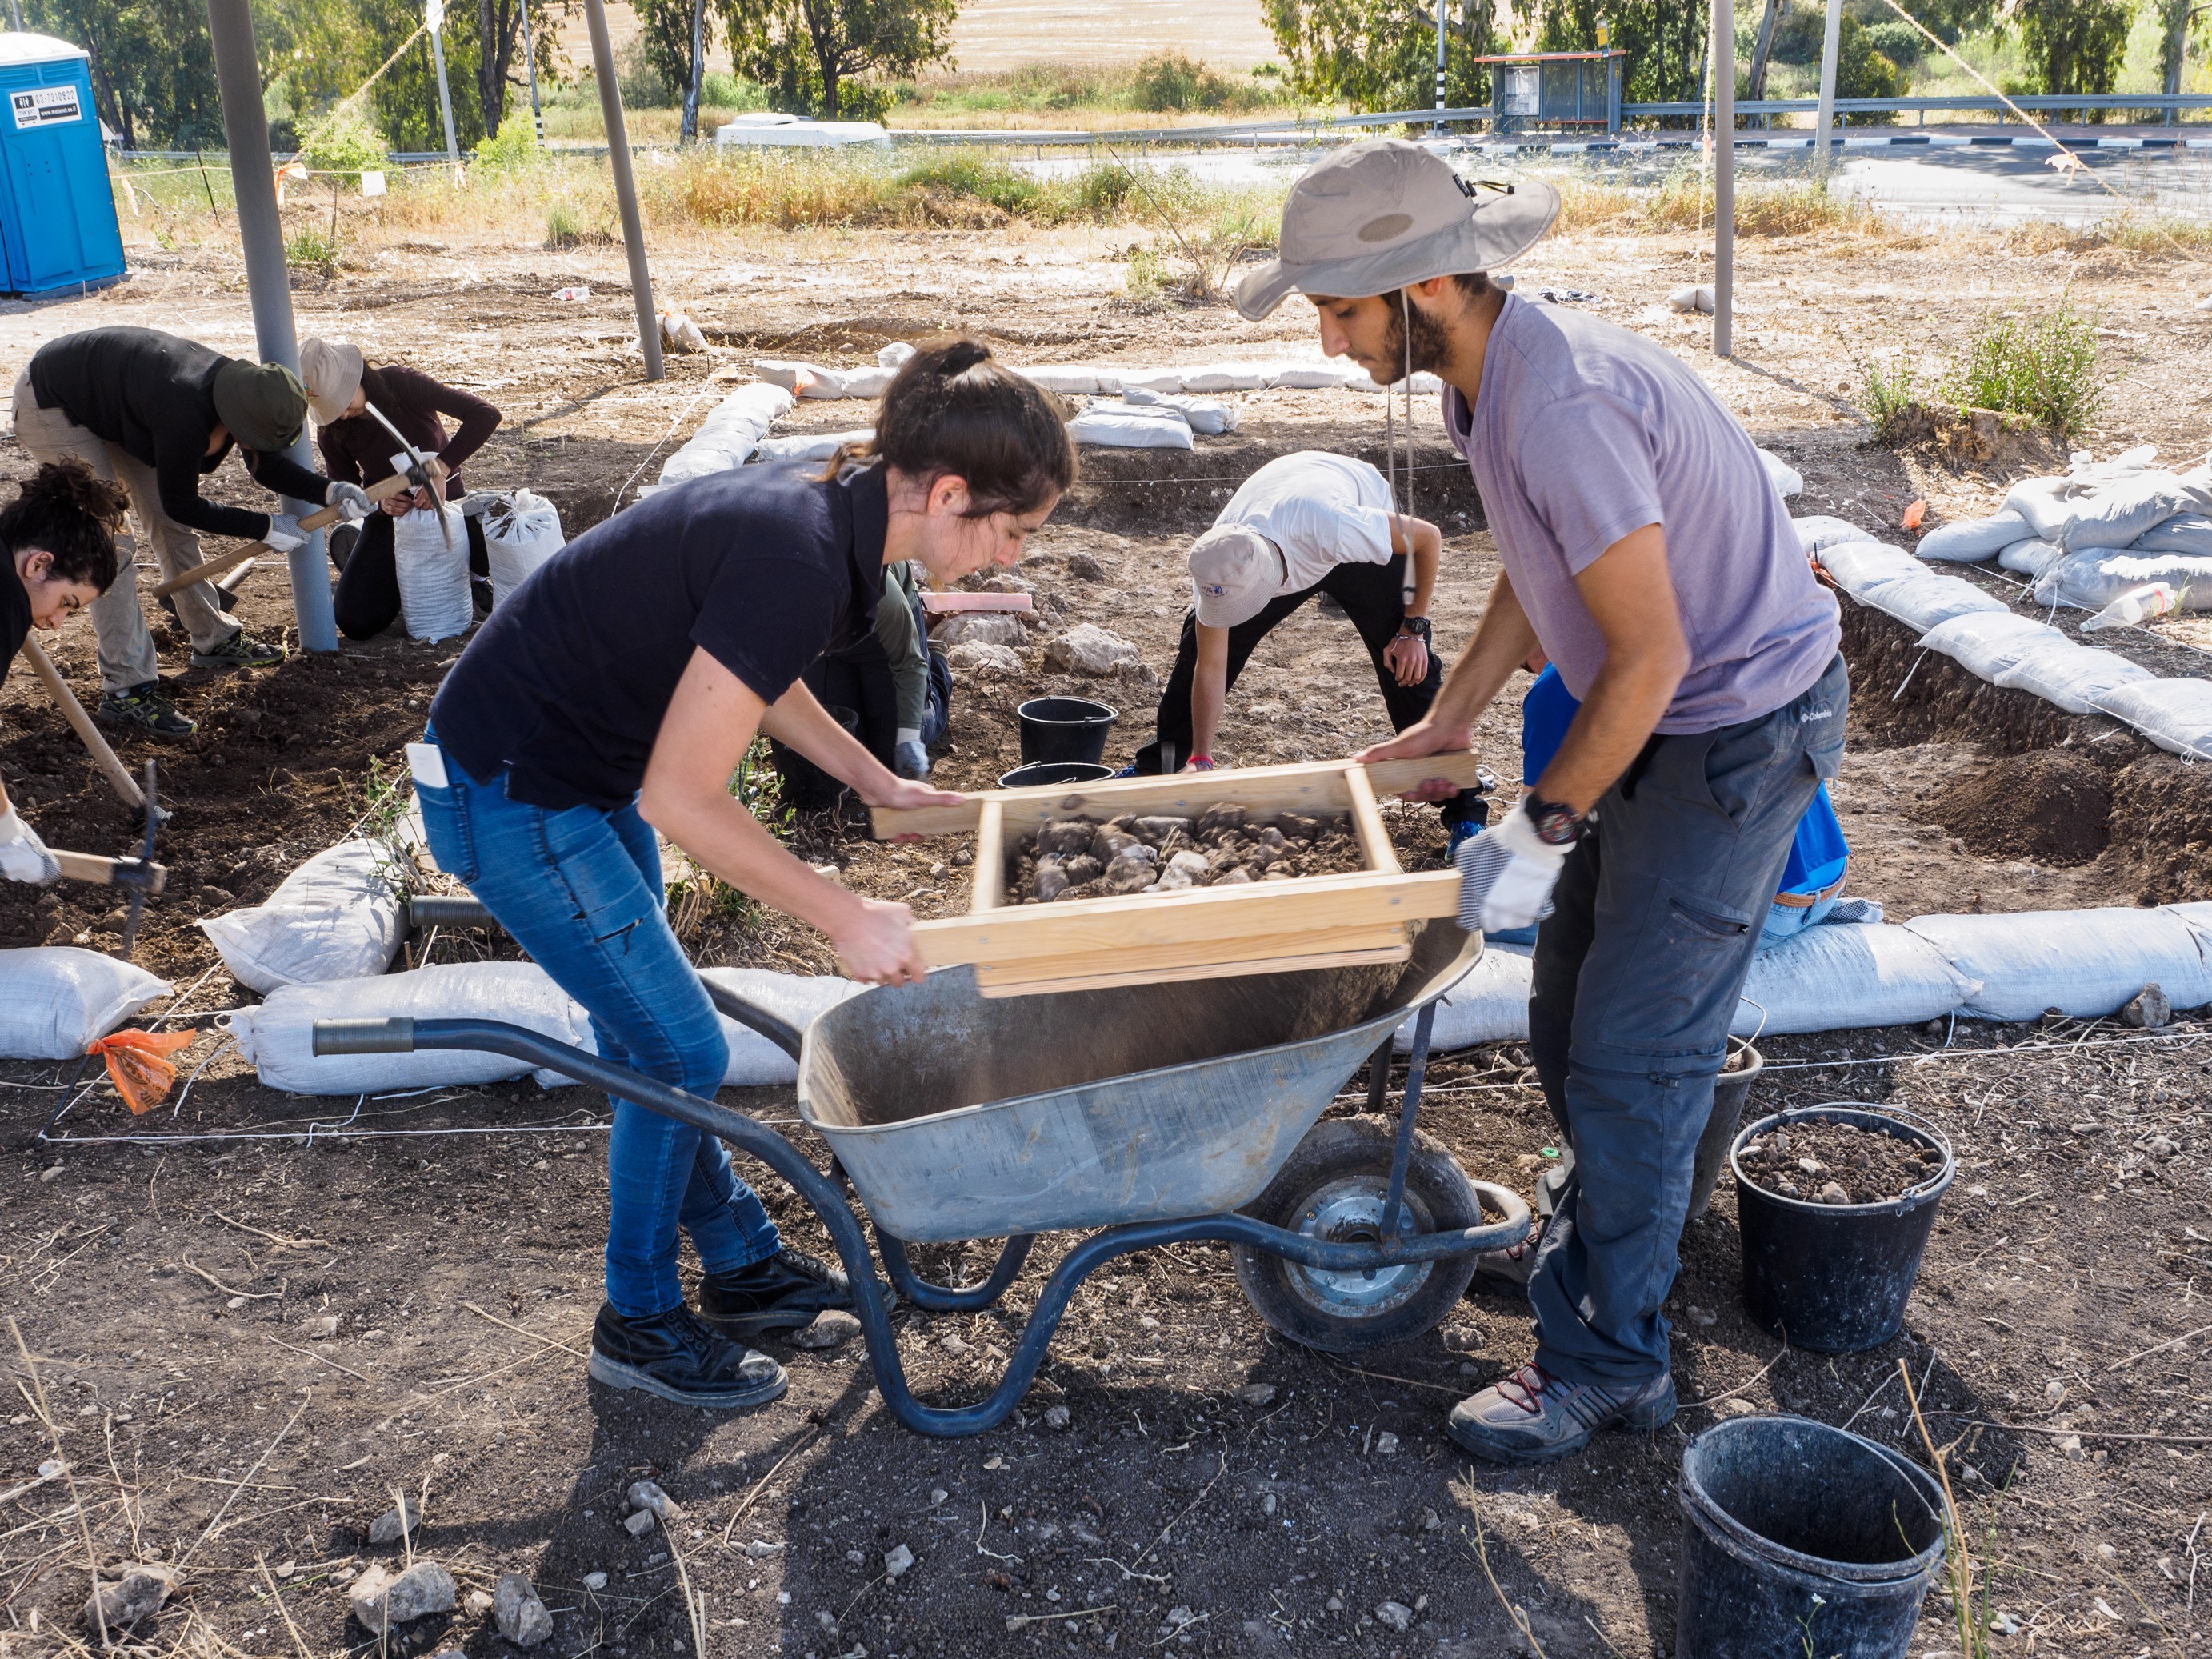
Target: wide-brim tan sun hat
column 331, row 372
column 1380, row 215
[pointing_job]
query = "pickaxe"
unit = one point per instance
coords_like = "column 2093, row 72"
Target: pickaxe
column 118, row 774
column 416, row 470
column 239, row 555
column 141, row 878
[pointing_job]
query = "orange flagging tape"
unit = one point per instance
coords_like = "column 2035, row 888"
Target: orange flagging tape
column 139, row 1065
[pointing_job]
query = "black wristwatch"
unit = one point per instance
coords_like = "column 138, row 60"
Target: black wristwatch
column 1414, row 628
column 1557, row 822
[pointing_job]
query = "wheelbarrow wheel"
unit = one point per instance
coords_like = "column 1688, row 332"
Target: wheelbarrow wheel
column 1333, row 1188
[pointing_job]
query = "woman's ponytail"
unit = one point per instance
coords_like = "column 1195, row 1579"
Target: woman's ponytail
column 65, row 509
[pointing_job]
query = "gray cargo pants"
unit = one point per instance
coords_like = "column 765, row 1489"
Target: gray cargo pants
column 1636, row 979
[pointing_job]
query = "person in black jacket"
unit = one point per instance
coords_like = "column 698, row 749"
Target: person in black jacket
column 156, row 413
column 58, row 543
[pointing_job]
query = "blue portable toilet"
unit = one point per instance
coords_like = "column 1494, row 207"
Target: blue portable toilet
column 57, row 223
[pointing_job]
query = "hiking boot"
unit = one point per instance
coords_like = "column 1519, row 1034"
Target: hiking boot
column 1532, row 1417
column 677, row 1356
column 145, row 708
column 239, row 652
column 782, row 1293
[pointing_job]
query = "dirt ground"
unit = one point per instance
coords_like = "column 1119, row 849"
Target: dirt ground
column 243, row 1357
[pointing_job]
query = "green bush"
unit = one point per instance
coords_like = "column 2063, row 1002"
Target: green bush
column 344, row 143
column 513, row 148
column 1009, row 192
column 1886, row 394
column 1896, row 40
column 2044, row 367
column 310, row 249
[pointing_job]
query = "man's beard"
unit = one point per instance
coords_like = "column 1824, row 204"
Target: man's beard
column 1431, row 344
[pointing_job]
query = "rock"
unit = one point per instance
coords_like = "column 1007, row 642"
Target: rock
column 645, row 1495
column 938, row 1495
column 1085, row 568
column 639, row 1524
column 1065, row 835
column 1219, row 818
column 142, row 1589
column 1813, row 1167
column 981, row 628
column 896, row 1560
column 1395, row 1614
column 1127, row 875
column 1158, row 828
column 1087, row 648
column 595, row 1581
column 477, row 1602
column 379, row 1599
column 1832, row 1193
column 1334, row 1604
column 2150, row 1010
column 1256, row 1394
column 517, row 1610
column 1268, row 1503
column 761, row 1550
column 327, row 1327
column 833, row 1328
column 1192, row 864
column 1051, row 882
column 395, row 1523
column 973, row 657
column 1231, row 878
column 1083, row 870
column 2071, row 1447
column 1174, row 879
column 1386, row 1443
column 1431, row 1521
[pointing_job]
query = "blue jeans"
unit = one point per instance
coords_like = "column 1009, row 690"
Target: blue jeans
column 1635, row 978
column 580, row 891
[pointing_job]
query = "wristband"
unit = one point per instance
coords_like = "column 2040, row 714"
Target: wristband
column 1203, row 763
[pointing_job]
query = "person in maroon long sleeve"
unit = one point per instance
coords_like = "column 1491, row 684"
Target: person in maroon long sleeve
column 340, row 385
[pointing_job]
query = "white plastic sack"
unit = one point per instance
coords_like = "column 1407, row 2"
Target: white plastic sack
column 1787, row 480
column 811, row 447
column 1491, row 1004
column 2086, row 963
column 1150, row 379
column 1971, row 539
column 1423, row 385
column 1207, row 415
column 2032, row 558
column 1313, row 376
column 1069, row 379
column 1818, row 531
column 798, row 1000
column 2074, row 677
column 1124, row 427
column 2045, row 504
column 434, row 575
column 2093, row 581
column 277, row 1038
column 867, row 382
column 893, row 355
column 1856, row 566
column 1987, row 643
column 2185, row 533
column 1923, row 599
column 519, row 537
column 801, row 379
column 1839, row 977
column 2116, row 513
column 728, row 434
column 2175, row 715
column 1226, row 377
column 338, row 917
column 55, row 999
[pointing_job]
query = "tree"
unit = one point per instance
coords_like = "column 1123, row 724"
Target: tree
column 152, row 64
column 666, row 40
column 499, row 39
column 810, row 53
column 2176, row 18
column 1664, row 41
column 1381, row 54
column 1763, row 53
column 2074, row 45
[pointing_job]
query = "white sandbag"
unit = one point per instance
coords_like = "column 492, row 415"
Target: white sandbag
column 2093, row 580
column 1491, row 1004
column 1787, row 480
column 729, row 433
column 338, row 917
column 521, row 534
column 2086, row 963
column 893, row 355
column 2185, row 533
column 1923, row 598
column 1225, row 377
column 1150, row 379
column 1817, row 530
column 2073, row 676
column 867, row 382
column 55, row 999
column 1317, row 377
column 1839, row 977
column 1069, row 379
column 801, row 379
column 1987, row 643
column 1971, row 539
column 798, row 1000
column 2175, row 715
column 1124, row 427
column 277, row 1038
column 2032, row 557
column 2116, row 513
column 1206, row 415
column 1423, row 385
column 2045, row 504
column 433, row 573
column 1856, row 566
column 811, row 447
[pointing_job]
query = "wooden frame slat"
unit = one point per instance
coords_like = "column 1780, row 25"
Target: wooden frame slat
column 1367, row 822
column 1107, row 981
column 990, row 857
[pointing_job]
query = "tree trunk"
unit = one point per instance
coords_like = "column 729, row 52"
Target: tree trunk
column 2178, row 14
column 1765, row 49
column 690, row 130
column 491, row 67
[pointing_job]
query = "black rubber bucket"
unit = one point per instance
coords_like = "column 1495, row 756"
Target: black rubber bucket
column 1803, row 1540
column 1037, row 772
column 1731, row 1089
column 1835, row 1278
column 1064, row 729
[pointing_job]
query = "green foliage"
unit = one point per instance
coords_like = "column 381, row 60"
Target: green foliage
column 564, row 229
column 311, row 249
column 2043, row 367
column 1862, row 71
column 1380, row 54
column 1896, row 39
column 665, row 44
column 152, row 66
column 1664, row 39
column 1143, row 279
column 1168, row 81
column 513, row 148
column 810, row 54
column 1886, row 393
column 970, row 176
column 2074, row 45
column 343, row 143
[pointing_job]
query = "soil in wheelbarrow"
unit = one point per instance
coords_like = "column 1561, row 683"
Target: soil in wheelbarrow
column 1825, row 1162
column 1224, row 846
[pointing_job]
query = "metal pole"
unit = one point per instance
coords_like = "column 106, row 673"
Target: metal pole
column 1437, row 127
column 16, row 11
column 1723, row 63
column 641, row 275
column 1825, row 127
column 530, row 70
column 444, row 96
column 268, row 284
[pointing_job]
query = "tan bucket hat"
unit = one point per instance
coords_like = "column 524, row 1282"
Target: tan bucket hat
column 332, row 371
column 1234, row 572
column 1377, row 216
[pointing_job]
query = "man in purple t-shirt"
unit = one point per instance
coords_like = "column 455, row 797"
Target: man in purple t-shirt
column 1642, row 547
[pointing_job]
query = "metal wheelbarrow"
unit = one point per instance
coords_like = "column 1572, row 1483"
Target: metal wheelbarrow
column 1156, row 1115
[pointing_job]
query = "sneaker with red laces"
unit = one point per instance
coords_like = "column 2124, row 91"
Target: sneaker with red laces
column 1532, row 1417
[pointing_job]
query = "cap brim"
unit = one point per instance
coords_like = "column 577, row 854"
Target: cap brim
column 329, row 409
column 1229, row 612
column 1491, row 238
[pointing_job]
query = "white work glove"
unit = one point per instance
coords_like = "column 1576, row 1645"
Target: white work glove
column 23, row 856
column 1506, row 875
column 283, row 533
column 350, row 499
column 909, row 758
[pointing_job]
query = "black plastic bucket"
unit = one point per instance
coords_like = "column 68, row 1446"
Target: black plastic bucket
column 1037, row 772
column 1064, row 729
column 1731, row 1089
column 1834, row 1277
column 1803, row 1540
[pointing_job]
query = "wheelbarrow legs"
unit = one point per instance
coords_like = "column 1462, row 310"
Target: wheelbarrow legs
column 951, row 1298
column 1417, row 1065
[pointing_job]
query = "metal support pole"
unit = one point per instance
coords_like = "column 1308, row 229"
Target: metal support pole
column 1437, row 127
column 530, row 72
column 1724, row 62
column 641, row 275
column 1825, row 125
column 444, row 95
column 16, row 12
column 268, row 284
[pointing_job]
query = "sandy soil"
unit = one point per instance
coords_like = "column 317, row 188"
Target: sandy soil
column 173, row 1299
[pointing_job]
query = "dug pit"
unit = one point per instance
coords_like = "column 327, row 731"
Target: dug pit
column 1077, row 858
column 2049, row 805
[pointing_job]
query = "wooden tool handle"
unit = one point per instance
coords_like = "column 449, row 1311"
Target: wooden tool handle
column 103, row 756
column 90, row 866
column 224, row 563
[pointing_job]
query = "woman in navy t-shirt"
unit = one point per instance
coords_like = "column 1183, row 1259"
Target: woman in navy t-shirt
column 612, row 697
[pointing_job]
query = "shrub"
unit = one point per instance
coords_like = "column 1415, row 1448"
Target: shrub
column 512, row 148
column 1886, row 393
column 1895, row 40
column 1011, row 192
column 1168, row 81
column 344, row 143
column 311, row 249
column 2044, row 367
